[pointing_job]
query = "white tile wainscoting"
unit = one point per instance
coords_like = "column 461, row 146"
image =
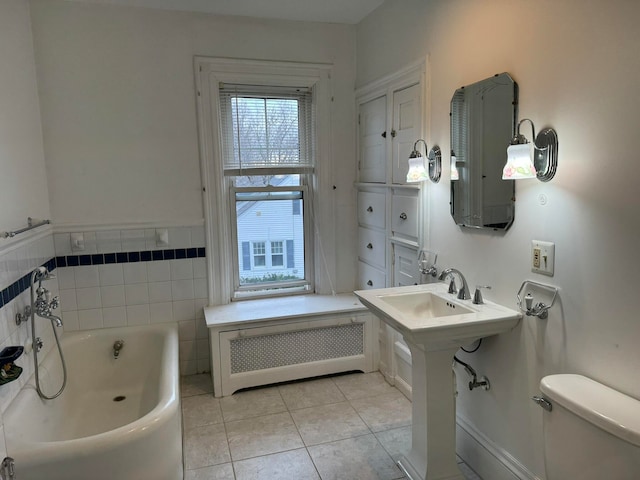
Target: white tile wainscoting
column 123, row 278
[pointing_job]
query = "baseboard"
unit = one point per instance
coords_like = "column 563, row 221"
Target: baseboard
column 487, row 459
column 403, row 386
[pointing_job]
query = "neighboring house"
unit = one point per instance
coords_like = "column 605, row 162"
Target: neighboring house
column 271, row 238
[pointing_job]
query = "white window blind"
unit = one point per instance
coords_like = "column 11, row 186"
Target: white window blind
column 266, row 129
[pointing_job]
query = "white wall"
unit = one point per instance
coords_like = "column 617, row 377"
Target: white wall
column 118, row 108
column 23, row 184
column 23, row 187
column 577, row 67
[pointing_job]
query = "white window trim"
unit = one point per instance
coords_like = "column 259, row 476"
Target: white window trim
column 209, row 72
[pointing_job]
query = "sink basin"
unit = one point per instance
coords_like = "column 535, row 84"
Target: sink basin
column 431, row 317
column 434, row 323
column 423, row 305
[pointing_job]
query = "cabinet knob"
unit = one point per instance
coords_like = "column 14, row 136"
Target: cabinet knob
column 370, row 283
column 393, row 134
column 370, row 209
column 383, row 134
column 403, row 216
column 369, row 246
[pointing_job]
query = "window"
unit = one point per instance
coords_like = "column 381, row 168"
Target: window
column 268, row 167
column 277, row 251
column 259, row 254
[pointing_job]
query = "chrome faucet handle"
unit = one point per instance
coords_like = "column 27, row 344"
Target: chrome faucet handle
column 462, row 293
column 477, row 296
column 55, row 302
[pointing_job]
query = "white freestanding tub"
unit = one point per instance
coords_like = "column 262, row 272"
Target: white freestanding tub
column 117, row 418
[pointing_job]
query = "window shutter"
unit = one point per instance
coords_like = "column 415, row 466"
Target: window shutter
column 290, row 252
column 246, row 256
column 266, row 129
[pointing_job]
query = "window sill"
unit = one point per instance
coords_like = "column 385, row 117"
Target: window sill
column 281, row 308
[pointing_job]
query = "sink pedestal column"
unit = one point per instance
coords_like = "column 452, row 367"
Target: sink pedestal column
column 433, row 433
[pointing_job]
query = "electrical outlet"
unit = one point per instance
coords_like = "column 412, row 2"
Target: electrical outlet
column 542, row 257
column 536, row 257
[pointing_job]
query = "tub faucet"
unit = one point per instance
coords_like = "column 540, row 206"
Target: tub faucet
column 117, row 346
column 45, row 303
column 463, row 293
column 56, row 319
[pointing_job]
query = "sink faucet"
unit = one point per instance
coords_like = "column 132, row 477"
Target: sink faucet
column 117, row 346
column 463, row 293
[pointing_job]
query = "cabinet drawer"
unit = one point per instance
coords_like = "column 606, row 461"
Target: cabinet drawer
column 371, row 211
column 370, row 277
column 371, row 247
column 404, row 216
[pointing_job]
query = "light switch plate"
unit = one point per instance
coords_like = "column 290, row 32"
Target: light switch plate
column 542, row 257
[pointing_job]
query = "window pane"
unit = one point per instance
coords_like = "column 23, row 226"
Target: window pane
column 276, row 236
column 265, row 131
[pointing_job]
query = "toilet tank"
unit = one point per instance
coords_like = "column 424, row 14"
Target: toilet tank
column 592, row 431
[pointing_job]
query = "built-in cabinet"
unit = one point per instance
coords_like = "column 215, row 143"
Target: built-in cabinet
column 390, row 211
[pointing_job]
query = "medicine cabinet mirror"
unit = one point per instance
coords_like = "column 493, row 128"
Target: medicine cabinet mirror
column 483, row 117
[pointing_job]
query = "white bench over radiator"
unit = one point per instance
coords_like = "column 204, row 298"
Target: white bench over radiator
column 258, row 342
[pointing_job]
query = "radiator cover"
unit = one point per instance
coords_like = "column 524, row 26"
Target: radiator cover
column 254, row 353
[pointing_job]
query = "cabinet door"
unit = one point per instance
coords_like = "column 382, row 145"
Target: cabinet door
column 405, row 266
column 372, row 140
column 407, row 128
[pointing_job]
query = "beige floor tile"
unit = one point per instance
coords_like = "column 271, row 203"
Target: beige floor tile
column 217, row 472
column 199, row 410
column 361, row 458
column 383, row 412
column 205, row 446
column 262, row 435
column 328, row 423
column 196, row 385
column 291, row 465
column 396, row 442
column 252, row 403
column 310, row 394
column 359, row 385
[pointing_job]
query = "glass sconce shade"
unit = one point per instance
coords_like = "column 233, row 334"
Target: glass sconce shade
column 519, row 162
column 417, row 172
column 532, row 160
column 455, row 175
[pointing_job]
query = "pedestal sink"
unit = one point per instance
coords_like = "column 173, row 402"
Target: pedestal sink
column 435, row 324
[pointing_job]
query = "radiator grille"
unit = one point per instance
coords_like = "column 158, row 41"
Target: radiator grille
column 291, row 348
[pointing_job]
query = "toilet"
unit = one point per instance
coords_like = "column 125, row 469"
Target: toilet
column 591, row 432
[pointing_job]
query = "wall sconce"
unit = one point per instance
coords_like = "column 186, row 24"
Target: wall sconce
column 532, row 160
column 417, row 171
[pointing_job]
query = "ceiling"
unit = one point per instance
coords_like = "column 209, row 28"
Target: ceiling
column 332, row 11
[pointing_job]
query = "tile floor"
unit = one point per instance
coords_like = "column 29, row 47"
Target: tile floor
column 347, row 427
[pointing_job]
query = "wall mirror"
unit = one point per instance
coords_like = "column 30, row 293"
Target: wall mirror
column 483, row 117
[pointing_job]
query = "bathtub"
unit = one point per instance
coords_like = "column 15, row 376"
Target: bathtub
column 117, row 418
